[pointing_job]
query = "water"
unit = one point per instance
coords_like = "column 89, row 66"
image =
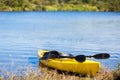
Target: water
column 22, row 34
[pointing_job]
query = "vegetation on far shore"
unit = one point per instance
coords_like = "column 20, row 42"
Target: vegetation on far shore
column 59, row 5
column 49, row 74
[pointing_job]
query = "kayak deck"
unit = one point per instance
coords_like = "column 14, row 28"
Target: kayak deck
column 71, row 65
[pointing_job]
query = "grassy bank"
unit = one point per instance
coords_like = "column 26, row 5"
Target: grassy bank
column 59, row 5
column 66, row 7
column 50, row 74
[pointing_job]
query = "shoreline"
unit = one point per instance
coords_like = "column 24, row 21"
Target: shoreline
column 54, row 11
column 63, row 5
column 47, row 74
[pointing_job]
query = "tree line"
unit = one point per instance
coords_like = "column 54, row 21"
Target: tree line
column 59, row 5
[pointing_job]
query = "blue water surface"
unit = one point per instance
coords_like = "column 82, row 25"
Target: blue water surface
column 22, row 34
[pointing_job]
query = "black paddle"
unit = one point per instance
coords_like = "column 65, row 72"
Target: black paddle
column 100, row 56
column 79, row 58
column 82, row 58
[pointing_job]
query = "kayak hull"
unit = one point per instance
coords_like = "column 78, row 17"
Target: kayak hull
column 88, row 67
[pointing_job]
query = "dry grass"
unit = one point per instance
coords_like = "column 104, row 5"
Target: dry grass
column 50, row 74
column 116, row 73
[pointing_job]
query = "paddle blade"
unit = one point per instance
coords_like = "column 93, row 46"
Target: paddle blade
column 102, row 56
column 80, row 58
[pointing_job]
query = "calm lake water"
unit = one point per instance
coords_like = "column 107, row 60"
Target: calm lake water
column 22, row 34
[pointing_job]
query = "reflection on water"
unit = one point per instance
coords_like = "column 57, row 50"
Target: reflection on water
column 23, row 33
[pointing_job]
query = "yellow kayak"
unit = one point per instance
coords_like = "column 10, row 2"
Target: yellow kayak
column 88, row 67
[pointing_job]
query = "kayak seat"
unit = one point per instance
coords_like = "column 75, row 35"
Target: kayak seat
column 51, row 54
column 54, row 54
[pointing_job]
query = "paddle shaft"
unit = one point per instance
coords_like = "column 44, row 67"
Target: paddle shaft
column 97, row 56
